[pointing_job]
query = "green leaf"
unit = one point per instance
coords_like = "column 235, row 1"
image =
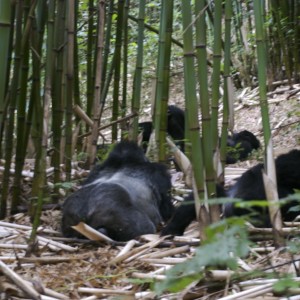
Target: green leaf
column 285, row 283
column 226, row 241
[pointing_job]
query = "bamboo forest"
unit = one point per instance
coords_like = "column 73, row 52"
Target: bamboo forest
column 149, row 149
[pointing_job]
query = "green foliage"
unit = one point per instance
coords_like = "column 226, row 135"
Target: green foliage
column 103, row 151
column 64, row 185
column 235, row 151
column 294, row 246
column 226, row 241
column 285, row 283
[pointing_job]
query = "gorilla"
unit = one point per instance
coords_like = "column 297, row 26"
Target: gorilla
column 146, row 129
column 124, row 197
column 240, row 145
column 248, row 187
column 185, row 214
column 175, row 127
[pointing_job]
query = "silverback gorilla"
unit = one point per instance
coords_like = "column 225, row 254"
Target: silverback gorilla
column 249, row 187
column 124, row 197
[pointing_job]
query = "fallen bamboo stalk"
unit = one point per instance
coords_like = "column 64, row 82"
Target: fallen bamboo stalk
column 19, row 281
column 105, row 291
column 148, row 247
column 148, row 276
column 170, row 252
column 285, row 230
column 219, row 275
column 164, row 261
column 255, row 282
column 13, row 246
column 260, row 290
column 90, row 298
column 136, row 251
column 15, row 226
column 56, row 245
column 130, row 244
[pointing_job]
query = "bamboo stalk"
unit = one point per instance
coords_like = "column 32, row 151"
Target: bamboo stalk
column 148, row 276
column 117, row 68
column 164, row 261
column 100, row 292
column 19, row 281
column 170, row 252
column 92, row 146
column 253, row 292
column 137, row 83
column 192, row 112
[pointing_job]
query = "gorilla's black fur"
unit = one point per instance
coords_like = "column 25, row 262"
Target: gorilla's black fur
column 175, row 127
column 240, row 145
column 124, row 197
column 249, row 187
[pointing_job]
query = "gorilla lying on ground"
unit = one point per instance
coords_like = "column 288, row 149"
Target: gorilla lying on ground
column 240, row 145
column 124, row 197
column 249, row 187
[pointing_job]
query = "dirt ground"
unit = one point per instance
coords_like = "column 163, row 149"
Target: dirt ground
column 72, row 272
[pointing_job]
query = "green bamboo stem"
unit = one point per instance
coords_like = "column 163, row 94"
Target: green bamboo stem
column 11, row 111
column 108, row 32
column 284, row 46
column 168, row 21
column 207, row 132
column 225, row 120
column 77, row 94
column 5, row 27
column 21, row 143
column 69, row 74
column 125, row 68
column 296, row 48
column 117, row 70
column 269, row 164
column 97, row 88
column 137, row 84
column 192, row 102
column 40, row 167
column 215, row 78
column 57, row 98
column 89, row 59
column 158, row 114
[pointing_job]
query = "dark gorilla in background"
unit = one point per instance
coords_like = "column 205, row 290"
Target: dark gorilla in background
column 146, row 129
column 124, row 197
column 240, row 145
column 175, row 127
column 248, row 187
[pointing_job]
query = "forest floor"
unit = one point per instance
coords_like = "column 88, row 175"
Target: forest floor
column 67, row 269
